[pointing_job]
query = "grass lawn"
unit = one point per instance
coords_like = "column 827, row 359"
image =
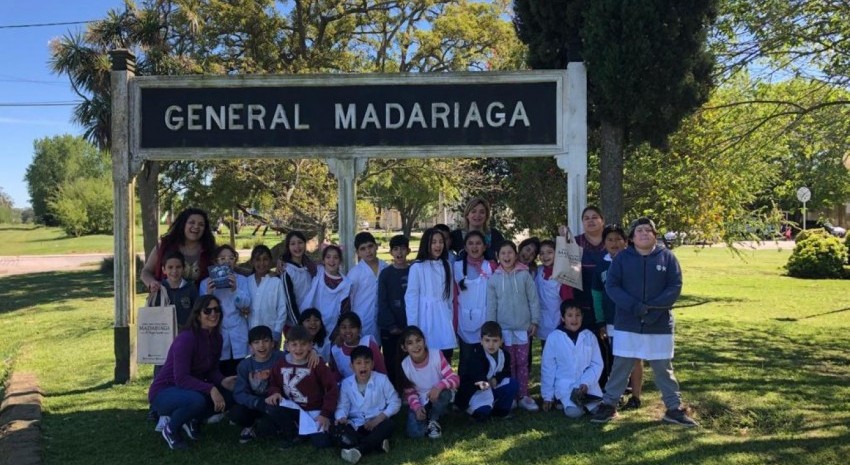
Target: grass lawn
column 762, row 359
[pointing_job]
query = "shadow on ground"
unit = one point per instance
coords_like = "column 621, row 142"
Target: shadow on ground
column 29, row 290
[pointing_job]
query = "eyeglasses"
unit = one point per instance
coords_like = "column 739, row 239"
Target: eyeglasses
column 209, row 310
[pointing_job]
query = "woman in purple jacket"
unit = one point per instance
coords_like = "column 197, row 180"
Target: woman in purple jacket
column 190, row 386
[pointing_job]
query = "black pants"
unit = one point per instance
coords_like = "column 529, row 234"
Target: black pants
column 244, row 416
column 285, row 421
column 371, row 440
column 390, row 348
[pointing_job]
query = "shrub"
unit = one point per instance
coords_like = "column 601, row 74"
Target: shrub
column 84, row 206
column 847, row 244
column 818, row 256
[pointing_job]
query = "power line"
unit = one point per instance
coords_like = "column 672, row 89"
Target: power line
column 39, row 104
column 18, row 26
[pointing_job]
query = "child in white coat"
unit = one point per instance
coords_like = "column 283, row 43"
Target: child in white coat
column 364, row 283
column 571, row 365
column 235, row 307
column 330, row 291
column 428, row 299
column 268, row 306
column 367, row 402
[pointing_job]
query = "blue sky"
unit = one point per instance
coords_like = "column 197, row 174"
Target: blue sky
column 26, row 78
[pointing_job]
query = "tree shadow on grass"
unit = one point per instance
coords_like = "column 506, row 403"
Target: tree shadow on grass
column 688, row 300
column 29, row 290
column 808, row 317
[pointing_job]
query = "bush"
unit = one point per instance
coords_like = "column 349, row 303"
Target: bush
column 847, row 244
column 84, row 206
column 818, row 256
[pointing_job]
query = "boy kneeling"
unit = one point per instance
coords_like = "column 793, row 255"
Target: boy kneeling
column 301, row 400
column 571, row 365
column 252, row 382
column 486, row 387
column 366, row 403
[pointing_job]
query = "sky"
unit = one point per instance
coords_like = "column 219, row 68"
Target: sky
column 25, row 77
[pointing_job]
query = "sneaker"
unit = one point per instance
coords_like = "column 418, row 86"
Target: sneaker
column 679, row 417
column 215, row 418
column 350, row 455
column 247, row 435
column 513, row 405
column 175, row 442
column 385, row 446
column 160, row 424
column 604, row 414
column 434, row 430
column 578, row 398
column 529, row 404
column 632, row 404
column 192, row 429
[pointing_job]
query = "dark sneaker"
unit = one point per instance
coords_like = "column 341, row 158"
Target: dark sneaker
column 192, row 430
column 247, row 435
column 604, row 414
column 434, row 430
column 578, row 398
column 632, row 404
column 679, row 417
column 175, row 442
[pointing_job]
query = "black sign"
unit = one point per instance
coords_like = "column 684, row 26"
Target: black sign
column 456, row 114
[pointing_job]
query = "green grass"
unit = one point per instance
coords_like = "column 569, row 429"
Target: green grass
column 762, row 360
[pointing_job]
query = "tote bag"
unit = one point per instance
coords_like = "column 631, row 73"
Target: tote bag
column 567, row 267
column 156, row 327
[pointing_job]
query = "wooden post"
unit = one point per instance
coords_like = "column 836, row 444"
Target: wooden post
column 123, row 69
column 346, row 171
column 574, row 162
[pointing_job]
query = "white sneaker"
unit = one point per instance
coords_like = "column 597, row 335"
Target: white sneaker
column 513, row 405
column 350, row 455
column 160, row 424
column 385, row 446
column 434, row 430
column 215, row 418
column 529, row 404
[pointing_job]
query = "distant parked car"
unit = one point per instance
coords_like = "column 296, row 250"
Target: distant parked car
column 836, row 231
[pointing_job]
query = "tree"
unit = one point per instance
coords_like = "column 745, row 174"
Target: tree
column 414, row 187
column 648, row 67
column 6, row 207
column 57, row 160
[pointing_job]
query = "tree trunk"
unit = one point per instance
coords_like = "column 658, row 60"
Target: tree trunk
column 148, row 188
column 611, row 172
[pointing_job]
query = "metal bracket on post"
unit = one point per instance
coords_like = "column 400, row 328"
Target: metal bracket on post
column 346, row 170
column 123, row 69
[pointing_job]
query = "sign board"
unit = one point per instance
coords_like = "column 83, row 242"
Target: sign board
column 804, row 194
column 413, row 115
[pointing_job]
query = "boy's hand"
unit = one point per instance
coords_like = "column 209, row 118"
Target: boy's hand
column 229, row 383
column 313, row 359
column 323, row 422
column 371, row 424
column 483, row 385
column 421, row 414
column 532, row 330
column 434, row 393
column 218, row 399
column 274, row 399
column 547, row 405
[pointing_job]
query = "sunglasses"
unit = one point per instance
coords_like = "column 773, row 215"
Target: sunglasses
column 209, row 310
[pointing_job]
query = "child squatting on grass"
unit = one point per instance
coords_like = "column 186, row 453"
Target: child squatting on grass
column 367, row 402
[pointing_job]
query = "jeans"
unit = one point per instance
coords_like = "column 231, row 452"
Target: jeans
column 503, row 400
column 183, row 405
column 417, row 428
